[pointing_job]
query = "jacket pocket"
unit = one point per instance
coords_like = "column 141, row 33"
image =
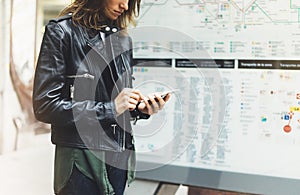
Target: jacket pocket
column 81, row 86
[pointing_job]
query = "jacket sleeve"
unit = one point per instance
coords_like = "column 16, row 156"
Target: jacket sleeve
column 49, row 103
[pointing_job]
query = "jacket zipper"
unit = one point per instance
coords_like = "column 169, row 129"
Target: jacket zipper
column 85, row 75
column 127, row 71
column 113, row 56
column 126, row 84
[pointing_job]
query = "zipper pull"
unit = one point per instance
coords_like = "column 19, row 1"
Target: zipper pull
column 114, row 128
column 87, row 75
column 124, row 140
column 72, row 88
column 136, row 119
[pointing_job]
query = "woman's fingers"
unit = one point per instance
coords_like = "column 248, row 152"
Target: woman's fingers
column 127, row 99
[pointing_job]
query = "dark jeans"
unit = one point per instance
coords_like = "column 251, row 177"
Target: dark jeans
column 116, row 166
column 79, row 184
column 117, row 178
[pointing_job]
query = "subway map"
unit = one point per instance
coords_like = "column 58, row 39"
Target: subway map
column 232, row 28
column 252, row 48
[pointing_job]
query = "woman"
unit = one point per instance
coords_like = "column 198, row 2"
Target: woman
column 83, row 88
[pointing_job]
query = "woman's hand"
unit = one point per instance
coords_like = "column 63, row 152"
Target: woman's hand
column 153, row 103
column 127, row 99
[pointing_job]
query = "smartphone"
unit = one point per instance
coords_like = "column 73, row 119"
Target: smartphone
column 164, row 94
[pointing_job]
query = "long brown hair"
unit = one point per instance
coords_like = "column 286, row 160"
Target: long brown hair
column 90, row 13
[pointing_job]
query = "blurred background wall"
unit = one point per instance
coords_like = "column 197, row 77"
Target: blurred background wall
column 26, row 153
column 6, row 127
column 3, row 63
column 22, row 26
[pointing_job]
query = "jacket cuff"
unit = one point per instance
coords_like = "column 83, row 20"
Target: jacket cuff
column 107, row 111
column 137, row 114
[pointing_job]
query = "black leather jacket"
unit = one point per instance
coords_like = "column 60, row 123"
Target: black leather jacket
column 76, row 81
